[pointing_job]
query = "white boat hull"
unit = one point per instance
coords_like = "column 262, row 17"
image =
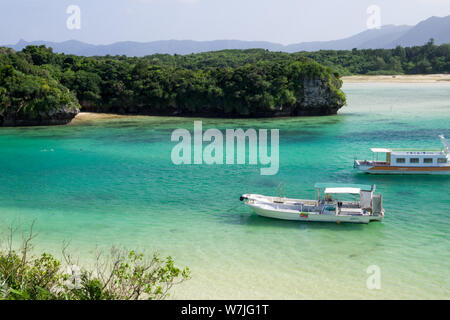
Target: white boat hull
column 287, row 215
column 313, row 217
column 411, row 170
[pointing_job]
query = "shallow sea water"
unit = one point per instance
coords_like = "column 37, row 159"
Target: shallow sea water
column 112, row 182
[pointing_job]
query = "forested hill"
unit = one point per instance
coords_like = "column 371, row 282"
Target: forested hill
column 36, row 83
column 30, row 95
column 425, row 59
column 38, row 86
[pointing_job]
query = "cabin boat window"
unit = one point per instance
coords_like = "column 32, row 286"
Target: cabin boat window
column 414, row 160
column 400, row 160
column 428, row 160
column 442, row 160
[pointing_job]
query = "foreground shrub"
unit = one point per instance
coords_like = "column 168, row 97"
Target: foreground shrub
column 120, row 275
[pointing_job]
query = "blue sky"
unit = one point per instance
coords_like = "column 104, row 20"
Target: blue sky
column 281, row 21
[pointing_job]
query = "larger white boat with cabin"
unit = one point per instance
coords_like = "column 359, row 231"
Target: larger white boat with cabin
column 364, row 207
column 408, row 161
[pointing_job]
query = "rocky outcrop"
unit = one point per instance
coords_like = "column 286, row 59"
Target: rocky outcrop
column 320, row 98
column 59, row 116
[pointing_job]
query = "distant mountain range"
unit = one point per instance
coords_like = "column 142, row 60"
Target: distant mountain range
column 386, row 37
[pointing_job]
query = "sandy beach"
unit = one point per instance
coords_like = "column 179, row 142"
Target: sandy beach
column 92, row 116
column 415, row 78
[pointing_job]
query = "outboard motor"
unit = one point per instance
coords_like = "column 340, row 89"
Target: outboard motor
column 377, row 205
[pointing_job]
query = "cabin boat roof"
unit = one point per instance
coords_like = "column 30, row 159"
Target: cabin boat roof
column 343, row 188
column 417, row 153
column 408, row 151
column 376, row 150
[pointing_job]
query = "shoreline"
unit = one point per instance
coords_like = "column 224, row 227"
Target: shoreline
column 82, row 117
column 409, row 78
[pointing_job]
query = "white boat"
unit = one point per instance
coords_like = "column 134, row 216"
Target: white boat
column 408, row 161
column 365, row 208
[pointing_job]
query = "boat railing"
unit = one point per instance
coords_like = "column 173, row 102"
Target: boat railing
column 370, row 162
column 355, row 204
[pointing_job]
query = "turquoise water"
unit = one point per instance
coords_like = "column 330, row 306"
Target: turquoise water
column 111, row 182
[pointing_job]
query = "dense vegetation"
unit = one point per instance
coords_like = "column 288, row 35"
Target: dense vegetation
column 414, row 60
column 29, row 91
column 117, row 276
column 226, row 83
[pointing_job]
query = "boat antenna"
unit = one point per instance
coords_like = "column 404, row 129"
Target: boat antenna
column 444, row 142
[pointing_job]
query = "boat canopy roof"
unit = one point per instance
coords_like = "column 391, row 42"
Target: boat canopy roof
column 343, row 190
column 343, row 187
column 376, row 150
